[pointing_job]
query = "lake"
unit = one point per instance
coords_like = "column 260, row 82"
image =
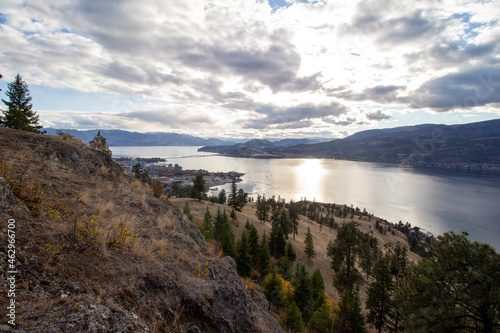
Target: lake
column 435, row 201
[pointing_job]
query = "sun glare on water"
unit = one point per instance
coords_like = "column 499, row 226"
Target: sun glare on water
column 310, row 182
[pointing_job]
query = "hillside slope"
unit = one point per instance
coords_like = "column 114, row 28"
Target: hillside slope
column 473, row 148
column 97, row 252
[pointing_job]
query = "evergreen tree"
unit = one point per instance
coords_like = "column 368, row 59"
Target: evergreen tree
column 233, row 199
column 399, row 268
column 309, row 249
column 187, row 211
column 218, row 224
column 19, row 113
column 321, row 320
column 380, row 295
column 244, row 261
column 277, row 242
column 317, row 284
column 303, row 289
column 280, row 216
column 233, row 215
column 137, row 169
column 253, row 240
column 291, row 255
column 399, row 263
column 199, row 189
column 262, row 209
column 264, row 256
column 207, row 229
column 369, row 253
column 285, row 268
column 344, row 252
column 228, row 240
column 457, row 289
column 242, row 199
column 349, row 316
column 222, row 197
column 99, row 143
column 293, row 213
column 273, row 286
column 294, row 318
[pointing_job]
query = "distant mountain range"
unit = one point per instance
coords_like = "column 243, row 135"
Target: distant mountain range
column 471, row 147
column 125, row 138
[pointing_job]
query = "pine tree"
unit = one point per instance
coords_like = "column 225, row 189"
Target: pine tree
column 294, row 318
column 19, row 113
column 262, row 209
column 244, row 260
column 242, row 199
column 220, row 221
column 227, row 240
column 291, row 255
column 318, row 284
column 349, row 316
column 293, row 213
column 344, row 252
column 285, row 268
column 233, row 200
column 199, row 189
column 264, row 257
column 187, row 211
column 380, row 295
column 253, row 240
column 309, row 249
column 369, row 253
column 99, row 143
column 456, row 289
column 137, row 169
column 222, row 197
column 280, row 216
column 273, row 286
column 399, row 268
column 277, row 242
column 207, row 230
column 303, row 288
column 233, row 215
column 321, row 320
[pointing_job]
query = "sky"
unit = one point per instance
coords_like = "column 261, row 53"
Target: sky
column 254, row 68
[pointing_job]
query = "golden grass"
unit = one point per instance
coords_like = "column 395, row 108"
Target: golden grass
column 103, row 208
column 84, row 197
column 166, row 221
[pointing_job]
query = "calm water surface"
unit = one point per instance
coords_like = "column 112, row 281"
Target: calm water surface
column 435, row 201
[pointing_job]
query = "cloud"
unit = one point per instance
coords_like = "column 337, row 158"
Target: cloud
column 271, row 115
column 238, row 65
column 379, row 94
column 378, row 115
column 468, row 89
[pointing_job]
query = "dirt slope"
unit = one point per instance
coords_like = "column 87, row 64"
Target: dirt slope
column 97, row 252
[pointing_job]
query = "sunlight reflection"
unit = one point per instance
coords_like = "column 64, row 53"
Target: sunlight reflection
column 309, row 175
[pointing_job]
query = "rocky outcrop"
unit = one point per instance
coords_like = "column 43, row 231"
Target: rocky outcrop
column 163, row 277
column 7, row 199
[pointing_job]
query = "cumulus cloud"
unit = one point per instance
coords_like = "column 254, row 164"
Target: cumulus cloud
column 270, row 114
column 378, row 115
column 254, row 66
column 472, row 88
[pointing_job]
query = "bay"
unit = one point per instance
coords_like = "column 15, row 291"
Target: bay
column 435, row 201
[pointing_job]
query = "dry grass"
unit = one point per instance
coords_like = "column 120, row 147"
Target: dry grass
column 104, row 208
column 166, row 221
column 138, row 186
column 85, row 197
column 144, row 204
